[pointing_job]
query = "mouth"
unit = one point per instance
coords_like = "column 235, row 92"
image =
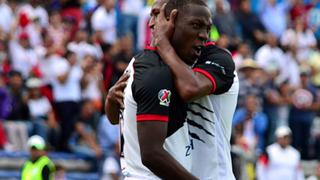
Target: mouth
column 197, row 50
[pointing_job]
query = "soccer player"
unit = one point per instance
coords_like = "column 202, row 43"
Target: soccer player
column 155, row 131
column 213, row 82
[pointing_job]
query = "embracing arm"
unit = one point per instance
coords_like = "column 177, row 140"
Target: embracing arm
column 190, row 85
column 151, row 135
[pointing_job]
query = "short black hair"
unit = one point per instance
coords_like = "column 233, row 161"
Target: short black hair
column 180, row 4
column 15, row 73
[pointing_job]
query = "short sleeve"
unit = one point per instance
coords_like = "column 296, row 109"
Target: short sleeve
column 152, row 92
column 218, row 67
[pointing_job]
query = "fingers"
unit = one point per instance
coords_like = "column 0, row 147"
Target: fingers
column 173, row 16
column 162, row 13
column 124, row 77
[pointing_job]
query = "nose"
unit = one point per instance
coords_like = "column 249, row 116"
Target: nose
column 151, row 22
column 203, row 36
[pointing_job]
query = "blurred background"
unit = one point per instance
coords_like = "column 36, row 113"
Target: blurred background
column 58, row 58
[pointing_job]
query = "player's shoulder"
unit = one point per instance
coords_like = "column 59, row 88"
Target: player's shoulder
column 218, row 55
column 150, row 69
column 147, row 58
column 214, row 57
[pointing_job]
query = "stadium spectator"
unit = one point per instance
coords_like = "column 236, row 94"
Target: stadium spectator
column 18, row 124
column 281, row 160
column 225, row 22
column 243, row 52
column 104, row 22
column 71, row 10
column 7, row 17
column 251, row 79
column 251, row 123
column 36, row 11
column 67, row 93
column 84, row 140
column 107, row 70
column 41, row 112
column 5, row 100
column 108, row 138
column 122, row 58
column 292, row 73
column 81, row 46
column 272, row 8
column 56, row 30
column 299, row 9
column 92, row 84
column 270, row 57
column 305, row 103
column 23, row 56
column 300, row 37
column 251, row 27
column 129, row 21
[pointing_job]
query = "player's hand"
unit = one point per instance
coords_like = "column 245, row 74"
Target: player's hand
column 116, row 94
column 164, row 27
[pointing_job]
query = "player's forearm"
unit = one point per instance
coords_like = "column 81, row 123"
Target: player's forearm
column 162, row 164
column 187, row 81
column 112, row 110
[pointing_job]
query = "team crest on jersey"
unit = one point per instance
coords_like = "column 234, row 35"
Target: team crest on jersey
column 164, row 96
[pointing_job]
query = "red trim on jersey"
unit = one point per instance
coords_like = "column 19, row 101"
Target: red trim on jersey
column 210, row 43
column 208, row 75
column 152, row 117
column 151, row 48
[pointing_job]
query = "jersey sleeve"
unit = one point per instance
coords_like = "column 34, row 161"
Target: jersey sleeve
column 219, row 69
column 152, row 92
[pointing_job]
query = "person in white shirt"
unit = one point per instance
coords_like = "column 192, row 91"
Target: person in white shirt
column 36, row 11
column 82, row 47
column 300, row 37
column 131, row 9
column 66, row 93
column 270, row 56
column 41, row 112
column 23, row 57
column 104, row 23
column 281, row 160
column 7, row 17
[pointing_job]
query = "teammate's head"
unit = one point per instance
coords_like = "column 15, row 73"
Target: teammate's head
column 155, row 10
column 192, row 26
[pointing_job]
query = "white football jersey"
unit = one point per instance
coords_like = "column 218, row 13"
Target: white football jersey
column 150, row 96
column 210, row 124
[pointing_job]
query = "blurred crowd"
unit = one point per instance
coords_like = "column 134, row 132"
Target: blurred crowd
column 58, row 58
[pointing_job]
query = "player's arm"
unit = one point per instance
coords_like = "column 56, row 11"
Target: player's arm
column 152, row 124
column 114, row 100
column 152, row 135
column 190, row 85
column 205, row 79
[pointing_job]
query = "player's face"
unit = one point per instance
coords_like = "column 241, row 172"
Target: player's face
column 192, row 27
column 155, row 10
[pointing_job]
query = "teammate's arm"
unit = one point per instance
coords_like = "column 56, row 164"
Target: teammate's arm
column 114, row 100
column 152, row 135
